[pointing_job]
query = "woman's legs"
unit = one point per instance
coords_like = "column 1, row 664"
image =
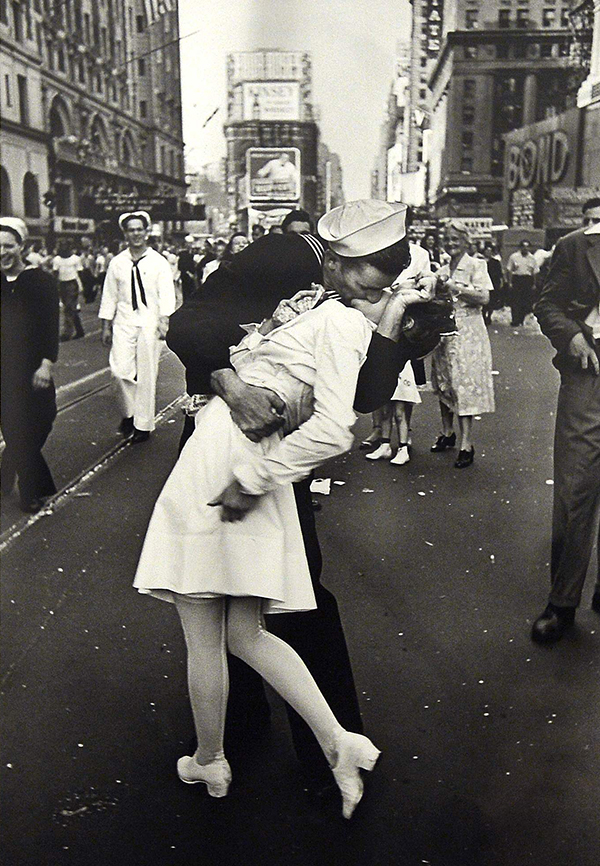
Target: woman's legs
column 402, row 412
column 465, row 423
column 447, row 420
column 203, row 625
column 281, row 667
column 375, row 434
column 384, row 452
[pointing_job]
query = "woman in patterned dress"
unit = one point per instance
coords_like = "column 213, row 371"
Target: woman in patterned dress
column 461, row 373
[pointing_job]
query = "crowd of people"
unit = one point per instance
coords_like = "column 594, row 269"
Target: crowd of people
column 344, row 317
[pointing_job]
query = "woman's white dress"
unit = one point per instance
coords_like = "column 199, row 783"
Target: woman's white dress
column 312, row 363
column 461, row 366
column 406, row 389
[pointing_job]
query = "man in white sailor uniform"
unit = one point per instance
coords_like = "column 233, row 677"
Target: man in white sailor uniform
column 137, row 299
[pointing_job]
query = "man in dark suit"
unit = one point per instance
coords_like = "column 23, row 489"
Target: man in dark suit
column 569, row 314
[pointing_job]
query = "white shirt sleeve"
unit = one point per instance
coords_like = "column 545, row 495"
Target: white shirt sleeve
column 110, row 293
column 166, row 288
column 341, row 343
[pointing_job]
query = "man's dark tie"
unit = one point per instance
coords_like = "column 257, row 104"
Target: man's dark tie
column 135, row 274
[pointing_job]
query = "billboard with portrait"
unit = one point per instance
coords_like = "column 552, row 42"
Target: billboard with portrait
column 273, row 173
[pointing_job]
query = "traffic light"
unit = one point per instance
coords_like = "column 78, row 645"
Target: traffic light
column 48, row 199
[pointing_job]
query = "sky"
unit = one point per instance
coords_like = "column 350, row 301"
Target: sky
column 352, row 44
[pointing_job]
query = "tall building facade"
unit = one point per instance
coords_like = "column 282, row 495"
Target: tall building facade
column 273, row 156
column 91, row 112
column 502, row 64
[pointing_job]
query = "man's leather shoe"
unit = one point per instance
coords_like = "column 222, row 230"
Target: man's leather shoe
column 443, row 442
column 552, row 624
column 596, row 601
column 126, row 426
column 139, row 436
column 34, row 505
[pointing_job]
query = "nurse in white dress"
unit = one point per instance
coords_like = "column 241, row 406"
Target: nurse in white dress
column 224, row 543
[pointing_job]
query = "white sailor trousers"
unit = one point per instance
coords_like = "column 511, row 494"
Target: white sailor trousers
column 133, row 360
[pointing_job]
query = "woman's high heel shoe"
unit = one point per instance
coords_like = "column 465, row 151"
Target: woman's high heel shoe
column 351, row 754
column 216, row 775
column 443, row 442
column 465, row 458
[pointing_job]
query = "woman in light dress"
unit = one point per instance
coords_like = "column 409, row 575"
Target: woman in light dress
column 224, row 542
column 461, row 370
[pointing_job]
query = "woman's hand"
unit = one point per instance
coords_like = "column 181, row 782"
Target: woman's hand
column 235, row 504
column 42, row 378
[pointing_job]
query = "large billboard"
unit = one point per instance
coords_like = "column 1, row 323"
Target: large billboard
column 267, row 66
column 273, row 173
column 271, row 100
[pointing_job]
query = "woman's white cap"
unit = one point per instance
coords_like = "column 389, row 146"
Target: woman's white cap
column 362, row 227
column 16, row 225
column 139, row 214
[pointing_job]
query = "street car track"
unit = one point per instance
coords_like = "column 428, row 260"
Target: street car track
column 17, row 530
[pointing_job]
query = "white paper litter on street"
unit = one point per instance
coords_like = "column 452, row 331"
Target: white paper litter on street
column 321, row 485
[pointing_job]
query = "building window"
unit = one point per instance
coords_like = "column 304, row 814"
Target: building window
column 469, row 86
column 7, row 92
column 423, row 93
column 17, row 22
column 143, row 109
column 565, row 17
column 504, row 18
column 520, row 50
column 546, row 50
column 502, row 50
column 163, row 159
column 60, row 58
column 62, row 197
column 467, row 138
column 468, row 114
column 87, row 29
column 141, row 66
column 172, row 163
column 3, row 12
column 139, row 23
column 466, row 164
column 23, row 99
column 470, row 52
column 31, row 195
column 471, row 17
column 548, row 17
column 5, row 193
column 99, row 82
column 522, row 18
column 81, row 71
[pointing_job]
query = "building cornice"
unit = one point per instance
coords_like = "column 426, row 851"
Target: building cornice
column 24, row 131
column 15, row 48
column 495, row 36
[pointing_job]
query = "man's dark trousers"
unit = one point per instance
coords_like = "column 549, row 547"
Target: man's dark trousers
column 318, row 638
column 576, row 481
column 521, row 298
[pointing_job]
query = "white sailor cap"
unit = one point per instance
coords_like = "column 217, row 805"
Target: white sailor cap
column 139, row 214
column 362, row 227
column 15, row 225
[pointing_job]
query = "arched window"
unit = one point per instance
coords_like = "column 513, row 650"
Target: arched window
column 98, row 137
column 31, row 195
column 5, row 193
column 60, row 123
column 127, row 150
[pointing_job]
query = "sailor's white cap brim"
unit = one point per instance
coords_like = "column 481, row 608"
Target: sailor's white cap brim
column 362, row 227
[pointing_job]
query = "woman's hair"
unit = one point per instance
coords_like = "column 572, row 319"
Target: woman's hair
column 457, row 226
column 390, row 261
column 64, row 249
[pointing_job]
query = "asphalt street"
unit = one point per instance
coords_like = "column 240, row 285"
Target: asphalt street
column 490, row 744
